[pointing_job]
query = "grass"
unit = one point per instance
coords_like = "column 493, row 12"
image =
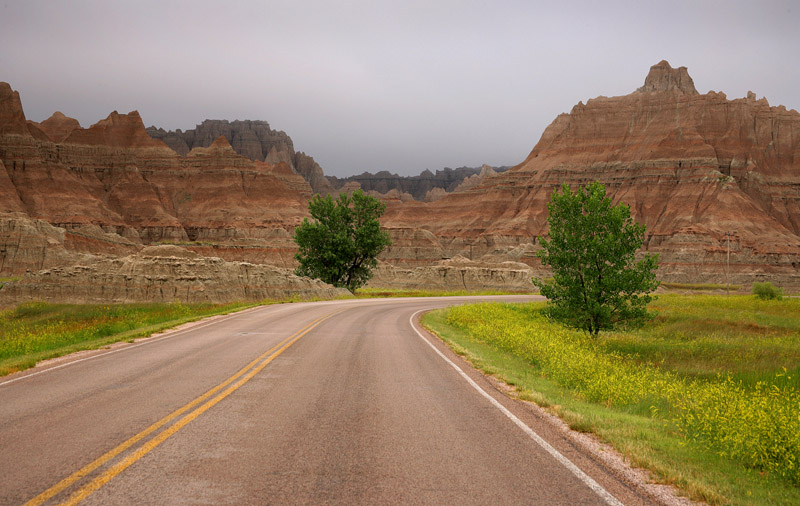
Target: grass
column 702, row 337
column 37, row 331
column 699, row 286
column 724, row 438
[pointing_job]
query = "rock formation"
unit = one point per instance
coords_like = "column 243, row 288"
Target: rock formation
column 111, row 189
column 421, row 187
column 457, row 273
column 252, row 139
column 258, row 142
column 58, row 126
column 163, row 274
column 475, row 180
column 307, row 167
column 434, row 194
column 696, row 169
column 704, row 174
column 662, row 77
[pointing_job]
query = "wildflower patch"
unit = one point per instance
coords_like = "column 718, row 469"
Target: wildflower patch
column 757, row 425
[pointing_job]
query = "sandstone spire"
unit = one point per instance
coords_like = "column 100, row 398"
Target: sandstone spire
column 662, row 77
column 12, row 119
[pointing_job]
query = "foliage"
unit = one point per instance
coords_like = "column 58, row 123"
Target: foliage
column 597, row 282
column 340, row 246
column 767, row 291
column 38, row 330
column 704, row 336
column 756, row 425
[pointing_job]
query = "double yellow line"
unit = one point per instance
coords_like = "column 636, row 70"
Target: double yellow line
column 211, row 398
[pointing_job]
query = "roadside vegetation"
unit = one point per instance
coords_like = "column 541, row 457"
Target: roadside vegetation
column 37, row 331
column 706, row 395
column 700, row 287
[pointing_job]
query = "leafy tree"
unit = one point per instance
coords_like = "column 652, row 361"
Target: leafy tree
column 597, row 282
column 341, row 244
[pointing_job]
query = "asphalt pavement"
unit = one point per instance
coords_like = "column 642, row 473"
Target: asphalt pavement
column 337, row 402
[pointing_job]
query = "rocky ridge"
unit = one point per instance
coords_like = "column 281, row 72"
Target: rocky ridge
column 252, row 139
column 164, row 274
column 111, row 189
column 696, row 169
column 702, row 172
column 426, row 186
column 456, row 273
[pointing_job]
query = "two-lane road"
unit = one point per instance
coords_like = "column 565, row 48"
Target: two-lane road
column 328, row 402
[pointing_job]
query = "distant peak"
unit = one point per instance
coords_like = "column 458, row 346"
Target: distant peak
column 220, row 142
column 662, row 77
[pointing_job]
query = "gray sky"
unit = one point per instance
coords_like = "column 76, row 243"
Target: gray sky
column 372, row 85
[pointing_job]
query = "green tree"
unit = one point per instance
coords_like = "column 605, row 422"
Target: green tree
column 597, row 281
column 341, row 243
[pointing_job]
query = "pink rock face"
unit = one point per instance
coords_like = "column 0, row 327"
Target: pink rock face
column 117, row 130
column 702, row 172
column 12, row 118
column 693, row 168
column 112, row 189
column 58, row 126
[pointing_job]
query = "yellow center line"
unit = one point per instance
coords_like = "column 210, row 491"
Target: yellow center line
column 89, row 468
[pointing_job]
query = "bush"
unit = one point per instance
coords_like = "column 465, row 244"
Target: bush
column 767, row 291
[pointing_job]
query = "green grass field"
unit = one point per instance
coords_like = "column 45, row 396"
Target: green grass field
column 706, row 396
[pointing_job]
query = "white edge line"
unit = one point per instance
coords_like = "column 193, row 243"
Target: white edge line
column 585, row 478
column 148, row 340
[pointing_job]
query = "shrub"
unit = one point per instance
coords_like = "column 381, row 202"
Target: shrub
column 767, row 291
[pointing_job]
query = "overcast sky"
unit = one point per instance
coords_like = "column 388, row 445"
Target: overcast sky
column 373, row 85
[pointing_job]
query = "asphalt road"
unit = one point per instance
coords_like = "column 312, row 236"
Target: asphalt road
column 340, row 402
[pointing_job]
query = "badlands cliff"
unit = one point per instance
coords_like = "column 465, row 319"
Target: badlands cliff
column 426, row 186
column 164, row 274
column 703, row 172
column 254, row 140
column 87, row 195
column 257, row 141
column 699, row 170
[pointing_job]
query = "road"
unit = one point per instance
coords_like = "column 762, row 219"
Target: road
column 337, row 402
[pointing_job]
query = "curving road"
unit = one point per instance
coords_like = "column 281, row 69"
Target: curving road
column 341, row 402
